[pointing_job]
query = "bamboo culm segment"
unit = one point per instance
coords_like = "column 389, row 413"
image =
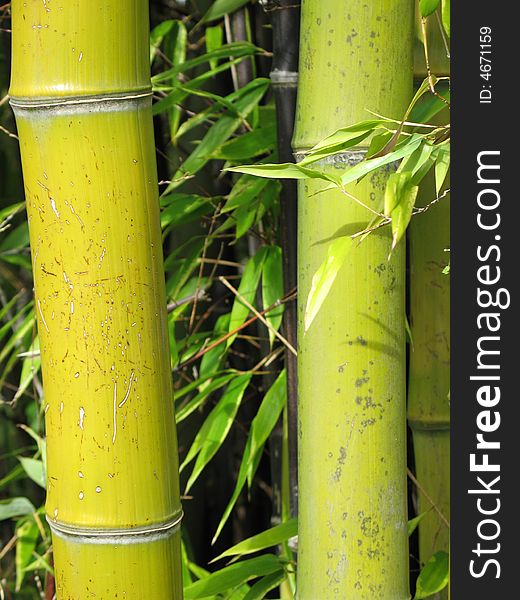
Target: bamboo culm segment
column 429, row 376
column 351, row 365
column 88, row 159
column 429, row 370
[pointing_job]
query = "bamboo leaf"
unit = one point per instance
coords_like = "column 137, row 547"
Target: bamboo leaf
column 427, row 7
column 34, row 470
column 403, row 149
column 232, row 576
column 261, row 427
column 267, row 539
column 284, row 171
column 272, row 287
column 446, row 16
column 216, row 427
column 175, row 48
column 157, row 35
column 15, row 507
column 235, row 50
column 434, row 576
column 27, row 534
column 413, row 523
column 400, row 196
column 245, row 190
column 265, row 585
column 187, row 409
column 30, row 366
column 179, row 209
column 214, row 38
column 246, row 289
column 442, row 166
column 254, row 143
column 324, row 277
column 250, row 95
column 219, row 8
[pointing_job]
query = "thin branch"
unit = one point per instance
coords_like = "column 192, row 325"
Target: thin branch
column 259, row 316
column 425, row 494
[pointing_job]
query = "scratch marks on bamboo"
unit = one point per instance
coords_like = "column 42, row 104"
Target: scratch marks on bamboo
column 41, row 315
column 81, row 417
column 115, row 413
column 122, row 403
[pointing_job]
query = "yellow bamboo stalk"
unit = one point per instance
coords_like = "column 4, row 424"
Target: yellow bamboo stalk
column 80, row 90
column 354, row 57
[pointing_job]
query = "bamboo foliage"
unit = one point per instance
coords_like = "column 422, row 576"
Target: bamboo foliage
column 352, row 457
column 80, row 91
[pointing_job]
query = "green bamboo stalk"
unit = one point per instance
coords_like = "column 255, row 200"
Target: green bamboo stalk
column 81, row 93
column 429, row 371
column 351, row 366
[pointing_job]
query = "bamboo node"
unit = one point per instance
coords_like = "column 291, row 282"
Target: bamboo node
column 116, row 536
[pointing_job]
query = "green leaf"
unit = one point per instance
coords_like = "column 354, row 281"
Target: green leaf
column 7, row 213
column 259, row 590
column 342, row 139
column 245, row 191
column 219, row 8
column 246, row 99
column 253, row 143
column 427, row 7
column 400, row 194
column 324, row 277
column 230, row 577
column 157, row 36
column 34, row 469
column 179, row 209
column 272, row 287
column 15, row 507
column 402, row 149
column 214, row 38
column 284, row 171
column 235, row 50
column 442, row 166
column 267, row 539
column 247, row 289
column 30, row 367
column 175, row 48
column 261, row 427
column 434, row 576
column 446, row 16
column 413, row 523
column 27, row 534
column 211, row 360
column 197, row 401
column 215, row 428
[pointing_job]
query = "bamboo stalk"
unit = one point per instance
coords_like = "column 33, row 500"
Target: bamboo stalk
column 351, row 363
column 80, row 90
column 429, row 371
column 285, row 19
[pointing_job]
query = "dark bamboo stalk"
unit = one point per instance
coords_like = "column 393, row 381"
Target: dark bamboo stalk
column 285, row 19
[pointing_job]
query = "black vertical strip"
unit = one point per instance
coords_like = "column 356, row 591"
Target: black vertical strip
column 285, row 19
column 484, row 249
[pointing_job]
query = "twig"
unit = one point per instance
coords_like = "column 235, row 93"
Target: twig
column 200, row 294
column 262, row 319
column 425, row 494
column 287, row 298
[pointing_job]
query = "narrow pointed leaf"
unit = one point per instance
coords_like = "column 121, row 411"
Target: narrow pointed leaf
column 324, row 277
column 267, row 539
column 427, row 7
column 232, row 576
column 216, row 427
